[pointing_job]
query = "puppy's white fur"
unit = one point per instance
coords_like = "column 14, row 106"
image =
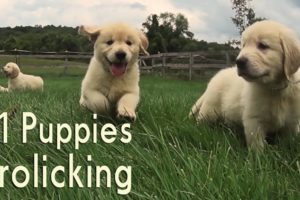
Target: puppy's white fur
column 264, row 95
column 19, row 81
column 101, row 89
column 3, row 89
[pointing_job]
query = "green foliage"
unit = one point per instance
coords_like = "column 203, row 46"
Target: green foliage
column 244, row 14
column 10, row 43
column 168, row 32
column 43, row 39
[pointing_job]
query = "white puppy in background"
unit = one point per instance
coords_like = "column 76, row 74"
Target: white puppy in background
column 112, row 78
column 19, row 81
column 262, row 92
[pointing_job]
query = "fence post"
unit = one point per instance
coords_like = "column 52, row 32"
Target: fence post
column 66, row 64
column 228, row 61
column 163, row 64
column 17, row 57
column 191, row 62
column 152, row 63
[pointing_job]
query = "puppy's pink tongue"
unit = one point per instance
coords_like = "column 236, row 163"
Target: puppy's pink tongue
column 118, row 69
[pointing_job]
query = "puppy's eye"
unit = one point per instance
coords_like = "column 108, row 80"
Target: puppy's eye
column 129, row 43
column 109, row 42
column 262, row 46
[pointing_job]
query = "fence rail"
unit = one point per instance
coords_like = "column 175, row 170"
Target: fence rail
column 189, row 62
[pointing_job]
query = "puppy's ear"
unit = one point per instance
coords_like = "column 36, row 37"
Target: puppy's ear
column 15, row 71
column 144, row 43
column 291, row 53
column 89, row 31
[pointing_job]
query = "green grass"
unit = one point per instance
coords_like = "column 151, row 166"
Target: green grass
column 171, row 156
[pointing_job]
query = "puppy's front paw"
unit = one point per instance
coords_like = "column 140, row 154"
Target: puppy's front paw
column 256, row 147
column 124, row 113
column 82, row 102
column 255, row 142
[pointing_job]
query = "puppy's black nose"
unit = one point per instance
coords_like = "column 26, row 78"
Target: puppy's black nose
column 242, row 62
column 120, row 55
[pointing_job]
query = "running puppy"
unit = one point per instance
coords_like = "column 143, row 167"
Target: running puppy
column 19, row 81
column 261, row 92
column 112, row 78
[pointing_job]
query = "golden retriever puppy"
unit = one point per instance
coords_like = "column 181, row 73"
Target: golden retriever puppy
column 112, row 78
column 261, row 92
column 19, row 81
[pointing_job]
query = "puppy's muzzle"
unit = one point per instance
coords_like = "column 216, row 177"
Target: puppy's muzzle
column 119, row 64
column 120, row 55
column 4, row 71
column 242, row 63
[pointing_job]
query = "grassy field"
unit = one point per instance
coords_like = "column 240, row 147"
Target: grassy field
column 171, row 156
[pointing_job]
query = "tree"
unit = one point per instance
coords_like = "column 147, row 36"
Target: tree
column 167, row 32
column 69, row 43
column 244, row 14
column 10, row 43
column 154, row 34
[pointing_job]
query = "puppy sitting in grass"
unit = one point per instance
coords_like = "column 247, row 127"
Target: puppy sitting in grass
column 262, row 92
column 112, row 78
column 19, row 81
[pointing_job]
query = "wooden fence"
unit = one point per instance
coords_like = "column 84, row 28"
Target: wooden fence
column 188, row 62
column 66, row 55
